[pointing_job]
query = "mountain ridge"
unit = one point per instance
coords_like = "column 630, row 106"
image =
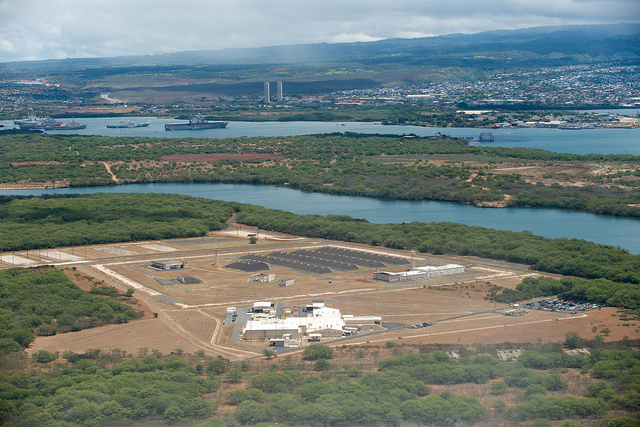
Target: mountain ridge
column 354, row 51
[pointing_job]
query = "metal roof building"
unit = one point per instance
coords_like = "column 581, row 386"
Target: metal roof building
column 418, row 273
column 326, row 320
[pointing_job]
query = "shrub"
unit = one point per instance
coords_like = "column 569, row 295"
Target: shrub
column 498, row 387
column 322, row 365
column 44, row 356
column 317, row 351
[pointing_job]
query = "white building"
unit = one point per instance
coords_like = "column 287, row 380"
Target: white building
column 262, row 277
column 419, row 273
column 279, row 92
column 321, row 320
column 267, row 93
column 167, row 264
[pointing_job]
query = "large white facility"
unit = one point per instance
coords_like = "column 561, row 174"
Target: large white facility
column 319, row 321
column 418, row 273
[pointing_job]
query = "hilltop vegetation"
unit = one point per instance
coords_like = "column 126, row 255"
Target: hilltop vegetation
column 358, row 387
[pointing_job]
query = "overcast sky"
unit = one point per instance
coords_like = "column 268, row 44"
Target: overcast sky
column 53, row 29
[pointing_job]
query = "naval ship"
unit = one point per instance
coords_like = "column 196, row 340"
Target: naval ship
column 129, row 124
column 47, row 123
column 196, row 123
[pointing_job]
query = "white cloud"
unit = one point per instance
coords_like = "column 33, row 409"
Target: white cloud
column 37, row 29
column 353, row 37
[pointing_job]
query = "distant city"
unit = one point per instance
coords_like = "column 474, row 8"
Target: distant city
column 497, row 101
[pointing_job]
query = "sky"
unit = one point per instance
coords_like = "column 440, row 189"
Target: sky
column 56, row 29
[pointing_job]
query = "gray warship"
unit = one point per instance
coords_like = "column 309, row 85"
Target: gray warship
column 196, row 123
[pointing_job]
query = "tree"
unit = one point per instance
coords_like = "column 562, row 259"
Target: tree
column 250, row 412
column 573, row 340
column 253, row 240
column 269, row 354
column 217, row 366
column 235, row 376
column 44, row 356
column 322, row 365
column 317, row 351
column 498, row 387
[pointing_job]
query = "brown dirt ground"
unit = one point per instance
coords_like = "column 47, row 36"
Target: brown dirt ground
column 193, row 326
column 150, row 333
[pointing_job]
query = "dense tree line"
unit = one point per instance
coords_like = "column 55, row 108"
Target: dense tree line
column 381, row 166
column 47, row 222
column 46, row 302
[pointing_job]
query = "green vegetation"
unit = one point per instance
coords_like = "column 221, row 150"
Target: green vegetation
column 317, row 351
column 84, row 394
column 108, row 388
column 45, row 302
column 49, row 222
column 381, row 166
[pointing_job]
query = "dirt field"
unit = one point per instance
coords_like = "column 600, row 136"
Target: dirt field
column 190, row 317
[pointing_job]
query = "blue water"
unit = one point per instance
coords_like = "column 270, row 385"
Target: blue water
column 587, row 141
column 623, row 232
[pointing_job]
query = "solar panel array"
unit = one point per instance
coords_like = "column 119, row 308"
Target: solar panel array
column 327, row 260
column 289, row 263
column 248, row 266
column 385, row 259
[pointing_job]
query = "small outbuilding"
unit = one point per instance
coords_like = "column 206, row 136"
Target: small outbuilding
column 285, row 282
column 167, row 264
column 262, row 277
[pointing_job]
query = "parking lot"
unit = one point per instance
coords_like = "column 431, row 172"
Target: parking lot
column 564, row 306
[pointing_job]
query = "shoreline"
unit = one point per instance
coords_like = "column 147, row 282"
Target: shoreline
column 32, row 187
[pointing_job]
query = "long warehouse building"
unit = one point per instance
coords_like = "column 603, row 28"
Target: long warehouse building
column 419, row 273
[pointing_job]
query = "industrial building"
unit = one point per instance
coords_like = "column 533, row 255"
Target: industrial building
column 319, row 322
column 420, row 273
column 285, row 282
column 262, row 277
column 262, row 307
column 167, row 264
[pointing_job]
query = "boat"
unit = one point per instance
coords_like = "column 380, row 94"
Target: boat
column 28, row 120
column 48, row 123
column 129, row 124
column 196, row 123
column 72, row 125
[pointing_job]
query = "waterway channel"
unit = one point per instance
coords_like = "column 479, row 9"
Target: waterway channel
column 586, row 141
column 623, row 232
